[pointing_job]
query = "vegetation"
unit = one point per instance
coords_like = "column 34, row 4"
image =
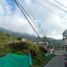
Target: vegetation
column 19, row 38
column 57, row 44
column 9, row 43
column 37, row 53
column 5, row 38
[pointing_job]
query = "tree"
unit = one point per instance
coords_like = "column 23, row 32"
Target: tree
column 24, row 47
column 19, row 38
column 45, row 39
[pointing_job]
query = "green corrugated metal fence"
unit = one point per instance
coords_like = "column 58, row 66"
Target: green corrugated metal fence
column 13, row 60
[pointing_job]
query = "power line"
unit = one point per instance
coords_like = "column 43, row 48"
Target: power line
column 4, row 8
column 48, row 9
column 51, row 10
column 26, row 11
column 60, row 3
column 29, row 17
column 32, row 18
column 19, row 6
column 56, row 6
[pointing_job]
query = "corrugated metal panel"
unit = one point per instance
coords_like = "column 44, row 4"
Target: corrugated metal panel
column 13, row 60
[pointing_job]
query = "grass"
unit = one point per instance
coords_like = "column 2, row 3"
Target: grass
column 39, row 59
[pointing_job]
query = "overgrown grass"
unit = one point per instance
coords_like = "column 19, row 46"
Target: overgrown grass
column 41, row 60
column 38, row 57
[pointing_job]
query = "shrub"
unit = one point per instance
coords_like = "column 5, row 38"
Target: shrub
column 24, row 47
column 19, row 38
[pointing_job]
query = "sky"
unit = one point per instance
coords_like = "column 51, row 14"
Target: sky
column 49, row 22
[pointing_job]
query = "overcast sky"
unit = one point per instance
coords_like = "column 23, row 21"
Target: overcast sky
column 50, row 22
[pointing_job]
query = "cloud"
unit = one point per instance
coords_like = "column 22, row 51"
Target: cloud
column 45, row 22
column 20, row 25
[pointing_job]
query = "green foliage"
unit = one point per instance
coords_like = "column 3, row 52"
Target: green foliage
column 57, row 44
column 45, row 39
column 38, row 60
column 23, row 47
column 19, row 38
column 15, row 45
column 5, row 38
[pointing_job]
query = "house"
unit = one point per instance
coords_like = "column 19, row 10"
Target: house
column 65, row 46
column 65, row 39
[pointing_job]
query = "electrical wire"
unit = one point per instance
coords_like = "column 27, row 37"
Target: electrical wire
column 48, row 9
column 60, row 3
column 19, row 6
column 29, row 17
column 56, row 6
column 32, row 18
column 52, row 11
column 4, row 8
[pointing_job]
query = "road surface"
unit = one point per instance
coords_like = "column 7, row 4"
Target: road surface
column 57, row 61
column 59, row 52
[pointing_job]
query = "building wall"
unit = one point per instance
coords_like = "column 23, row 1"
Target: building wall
column 65, row 41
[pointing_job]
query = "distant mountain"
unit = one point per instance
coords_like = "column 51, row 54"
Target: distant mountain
column 56, row 42
column 3, row 30
column 32, row 37
column 23, row 35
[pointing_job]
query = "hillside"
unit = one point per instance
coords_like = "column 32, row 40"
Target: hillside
column 7, row 35
column 5, row 38
column 16, row 34
column 20, row 47
column 57, row 44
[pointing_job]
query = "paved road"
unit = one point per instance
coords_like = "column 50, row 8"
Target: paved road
column 59, row 52
column 57, row 61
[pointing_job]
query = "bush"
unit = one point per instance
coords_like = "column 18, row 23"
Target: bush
column 19, row 38
column 2, row 52
column 23, row 47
